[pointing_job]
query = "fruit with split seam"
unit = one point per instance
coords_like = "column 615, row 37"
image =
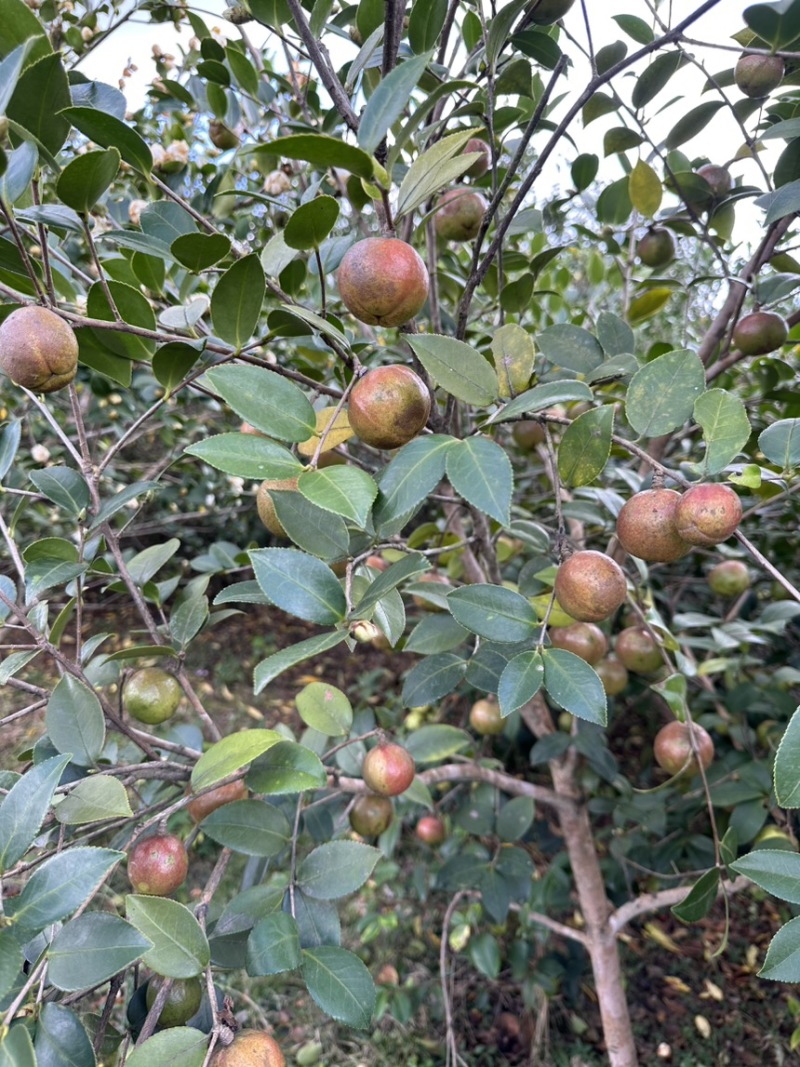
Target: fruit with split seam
column 590, row 586
column 38, row 349
column 383, row 281
column 388, row 406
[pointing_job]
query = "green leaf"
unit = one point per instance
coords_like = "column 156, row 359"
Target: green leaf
column 726, row 427
column 135, row 310
column 16, row 1049
column 635, row 27
column 24, row 808
column 782, row 962
column 786, row 769
column 388, row 101
column 411, row 475
column 323, row 151
column 237, row 301
column 656, row 76
column 246, row 456
column 648, row 303
column 37, row 105
column 340, row 984
column 775, row 870
column 494, row 612
column 180, row 948
column 435, row 633
column 479, row 470
column 251, row 827
column 698, row 902
column 20, row 25
column 300, row 584
column 11, row 68
column 784, row 201
column 514, row 355
column 11, row 961
column 620, row 139
column 431, row 744
column 614, row 205
column 325, row 708
column 230, row 754
column 147, row 563
column 586, row 446
column 311, row 223
column 83, row 181
column 645, row 189
column 661, row 396
column 614, row 334
column 436, row 167
column 432, row 678
column 780, row 443
column 91, row 949
column 94, row 800
column 199, row 251
column 65, row 487
column 180, row 1046
column 120, row 500
column 777, row 23
column 173, row 361
column 570, row 347
column 336, row 868
column 425, row 24
column 408, row 567
column 269, row 669
column 343, row 490
column 59, row 886
column 75, row 721
column 110, row 132
column 61, row 1040
column 520, row 681
column 285, row 769
column 315, row 531
column 584, row 170
column 456, row 367
column 9, row 444
column 188, row 619
column 273, row 945
column 692, row 123
column 542, row 397
column 515, row 819
column 270, row 403
column 539, row 46
column 243, row 70
column 571, row 682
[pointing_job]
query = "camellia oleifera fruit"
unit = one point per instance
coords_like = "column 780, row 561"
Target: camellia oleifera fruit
column 383, row 281
column 204, row 804
column 38, row 349
column 613, row 675
column 388, row 769
column 485, row 718
column 546, row 12
column 250, row 1048
column 371, row 814
column 759, row 333
column 158, row 865
column 183, row 1000
column 151, row 695
column 459, row 214
column 590, row 586
column 388, row 406
column 646, row 526
column 638, row 651
column 729, row 578
column 584, row 639
column 756, row 76
column 708, row 513
column 656, row 248
column 431, row 829
column 528, row 434
column 266, row 505
column 481, row 165
column 718, row 178
column 680, row 746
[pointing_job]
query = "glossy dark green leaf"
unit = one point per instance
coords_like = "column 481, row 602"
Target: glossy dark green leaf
column 570, row 347
column 147, row 563
column 268, row 402
column 325, row 709
column 199, row 251
column 410, row 476
column 165, row 221
column 777, row 24
column 585, row 447
column 437, row 742
column 61, row 1040
column 251, row 827
column 656, row 76
column 311, row 528
column 64, row 486
column 243, row 70
column 425, row 24
column 94, row 799
column 700, row 899
column 614, row 334
column 692, row 123
column 432, row 678
column 100, row 96
column 285, row 769
column 246, row 456
column 494, row 612
column 269, row 668
column 273, row 945
column 322, row 151
column 572, row 683
column 19, row 170
column 662, row 395
column 237, row 301
column 300, row 584
column 310, row 224
column 620, row 139
column 343, row 490
column 59, row 886
column 23, row 810
column 782, row 962
column 780, row 443
column 540, row 46
column 110, row 132
column 542, row 397
column 480, row 471
column 20, row 24
column 11, row 68
column 180, row 948
column 776, row 871
column 635, row 27
column 180, row 1046
column 614, row 204
column 584, row 170
column 83, row 181
column 340, row 984
column 409, row 567
column 135, row 310
column 726, row 427
column 41, row 94
column 187, row 619
column 91, row 949
column 786, row 769
column 173, row 361
column 336, row 869
column 16, row 1049
column 388, row 101
column 11, row 961
column 457, row 367
column 520, row 681
column 75, row 720
column 230, row 754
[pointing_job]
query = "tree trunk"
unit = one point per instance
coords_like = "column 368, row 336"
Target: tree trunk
column 594, row 903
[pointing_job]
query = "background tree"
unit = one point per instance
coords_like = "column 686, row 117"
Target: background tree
column 196, row 296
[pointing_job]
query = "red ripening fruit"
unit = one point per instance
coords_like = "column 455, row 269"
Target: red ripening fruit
column 388, row 769
column 759, row 333
column 431, row 829
column 266, row 505
column 613, row 675
column 584, row 639
column 708, row 513
column 480, row 166
column 729, row 578
column 203, row 805
column 485, row 718
column 673, row 749
column 590, row 586
column 388, row 406
column 646, row 526
column 638, row 650
column 383, row 281
column 158, row 865
column 371, row 814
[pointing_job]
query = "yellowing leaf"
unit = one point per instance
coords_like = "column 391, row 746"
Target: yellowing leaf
column 514, row 354
column 338, row 427
column 645, row 189
column 657, row 934
column 648, row 304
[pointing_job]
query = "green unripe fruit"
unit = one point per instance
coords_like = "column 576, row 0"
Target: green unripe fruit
column 757, row 76
column 638, row 651
column 759, row 333
column 485, row 718
column 730, row 578
column 151, row 695
column 656, row 248
column 459, row 214
column 370, row 814
column 183, row 1000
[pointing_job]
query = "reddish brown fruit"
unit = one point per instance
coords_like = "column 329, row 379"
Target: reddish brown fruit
column 480, row 166
column 266, row 506
column 158, row 865
column 584, row 639
column 250, row 1048
column 388, row 769
column 729, row 578
column 528, row 434
column 646, row 526
column 38, row 349
column 613, row 675
column 203, row 805
column 378, row 563
column 759, row 333
column 717, row 177
column 485, row 718
column 656, row 248
column 387, row 975
column 370, row 815
column 383, row 281
column 389, row 406
column 679, row 746
column 757, row 76
column 222, row 136
column 638, row 650
column 459, row 214
column 437, row 579
column 708, row 513
column 590, row 586
column 431, row 829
